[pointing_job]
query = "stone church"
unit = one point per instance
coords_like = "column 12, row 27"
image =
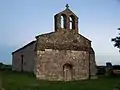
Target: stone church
column 61, row 55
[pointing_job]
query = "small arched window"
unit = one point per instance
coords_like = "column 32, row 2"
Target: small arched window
column 63, row 21
column 72, row 22
column 22, row 56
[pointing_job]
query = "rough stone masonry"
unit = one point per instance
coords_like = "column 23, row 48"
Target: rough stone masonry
column 63, row 55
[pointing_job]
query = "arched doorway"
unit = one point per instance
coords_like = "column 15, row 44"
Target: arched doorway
column 67, row 72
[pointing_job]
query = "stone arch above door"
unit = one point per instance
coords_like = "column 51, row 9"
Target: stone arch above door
column 67, row 71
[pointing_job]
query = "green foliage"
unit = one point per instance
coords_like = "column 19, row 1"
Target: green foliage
column 116, row 41
column 5, row 67
column 101, row 70
column 26, row 81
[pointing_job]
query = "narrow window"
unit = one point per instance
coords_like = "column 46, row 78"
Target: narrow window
column 71, row 23
column 62, row 22
column 22, row 63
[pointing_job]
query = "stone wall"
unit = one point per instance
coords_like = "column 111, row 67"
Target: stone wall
column 60, row 55
column 55, row 49
column 49, row 64
column 67, row 14
column 93, row 68
column 63, row 40
column 28, row 58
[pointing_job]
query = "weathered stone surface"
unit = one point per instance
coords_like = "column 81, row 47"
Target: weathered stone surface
column 28, row 58
column 50, row 64
column 56, row 49
column 62, row 55
column 63, row 40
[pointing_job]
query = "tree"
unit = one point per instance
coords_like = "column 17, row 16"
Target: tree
column 116, row 41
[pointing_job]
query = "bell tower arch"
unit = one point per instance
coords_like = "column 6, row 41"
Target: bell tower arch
column 66, row 20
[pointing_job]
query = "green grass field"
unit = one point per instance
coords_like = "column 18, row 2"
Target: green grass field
column 25, row 81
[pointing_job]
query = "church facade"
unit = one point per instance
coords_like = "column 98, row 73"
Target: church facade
column 62, row 55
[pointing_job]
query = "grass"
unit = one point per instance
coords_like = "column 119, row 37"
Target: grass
column 25, row 81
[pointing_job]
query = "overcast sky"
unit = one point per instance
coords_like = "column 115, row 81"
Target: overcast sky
column 22, row 20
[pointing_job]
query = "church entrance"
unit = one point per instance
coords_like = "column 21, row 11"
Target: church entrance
column 67, row 72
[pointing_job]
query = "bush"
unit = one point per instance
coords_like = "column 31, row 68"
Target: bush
column 5, row 67
column 101, row 70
